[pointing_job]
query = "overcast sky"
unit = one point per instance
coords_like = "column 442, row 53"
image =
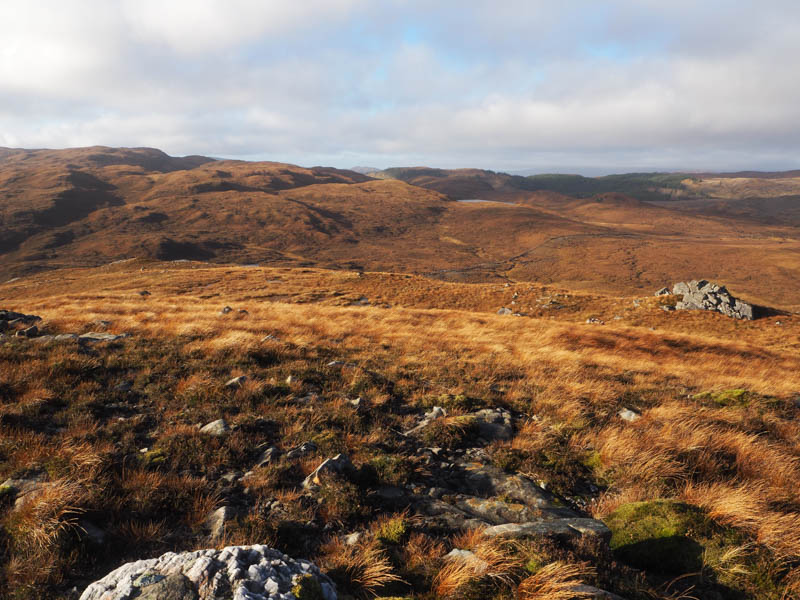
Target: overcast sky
column 576, row 86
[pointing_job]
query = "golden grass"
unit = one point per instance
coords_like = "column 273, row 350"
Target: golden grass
column 555, row 581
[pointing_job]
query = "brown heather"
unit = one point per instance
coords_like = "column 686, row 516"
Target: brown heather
column 60, row 414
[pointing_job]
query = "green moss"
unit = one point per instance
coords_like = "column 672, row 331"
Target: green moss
column 392, row 531
column 660, row 535
column 307, row 588
column 735, row 397
column 7, row 494
column 153, row 458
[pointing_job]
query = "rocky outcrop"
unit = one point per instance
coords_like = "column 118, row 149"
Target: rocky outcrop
column 704, row 295
column 236, row 572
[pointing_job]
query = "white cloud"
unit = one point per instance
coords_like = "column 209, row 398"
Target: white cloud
column 488, row 84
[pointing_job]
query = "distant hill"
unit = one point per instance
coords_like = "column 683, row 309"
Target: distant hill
column 91, row 206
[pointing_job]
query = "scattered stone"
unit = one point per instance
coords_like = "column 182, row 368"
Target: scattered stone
column 667, row 308
column 338, row 465
column 493, row 423
column 268, row 456
column 216, row 428
column 704, row 295
column 28, row 332
column 125, row 386
column 356, row 403
column 226, row 310
column 662, row 292
column 556, row 527
column 626, row 414
column 270, row 338
column 505, row 311
column 341, row 363
column 353, row 538
column 595, row 320
column 144, row 293
column 236, row 382
column 236, row 572
column 301, row 450
column 437, row 412
column 217, row 521
column 95, row 337
column 243, row 311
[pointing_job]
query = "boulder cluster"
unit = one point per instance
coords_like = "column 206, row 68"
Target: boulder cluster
column 704, row 295
column 233, row 573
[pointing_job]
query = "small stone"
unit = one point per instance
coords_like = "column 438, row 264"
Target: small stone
column 226, row 310
column 338, row 465
column 626, row 414
column 217, row 521
column 216, row 428
column 595, row 320
column 144, row 293
column 353, row 538
column 662, row 292
column 504, row 311
column 269, row 456
column 236, row 382
column 30, row 332
column 301, row 450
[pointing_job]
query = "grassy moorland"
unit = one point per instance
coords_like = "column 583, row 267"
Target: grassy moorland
column 708, row 473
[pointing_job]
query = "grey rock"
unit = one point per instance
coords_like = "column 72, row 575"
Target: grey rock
column 704, row 295
column 268, row 456
column 98, row 336
column 301, row 450
column 218, row 520
column 626, row 414
column 494, row 424
column 595, row 320
column 662, row 292
column 556, row 527
column 236, row 382
column 667, row 308
column 233, row 573
column 28, row 332
column 338, row 465
column 504, row 311
column 226, row 310
column 437, row 412
column 596, row 593
column 216, row 428
column 144, row 293
column 353, row 538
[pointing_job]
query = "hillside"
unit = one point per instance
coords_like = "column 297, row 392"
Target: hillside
column 652, row 454
column 91, row 206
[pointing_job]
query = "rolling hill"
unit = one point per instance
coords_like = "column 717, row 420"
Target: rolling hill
column 92, row 206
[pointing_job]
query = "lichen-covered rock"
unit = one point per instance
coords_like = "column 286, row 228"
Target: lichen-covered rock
column 236, row 572
column 704, row 295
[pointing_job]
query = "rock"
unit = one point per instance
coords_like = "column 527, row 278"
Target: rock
column 662, row 292
column 217, row 521
column 555, row 527
column 477, row 564
column 504, row 311
column 226, row 310
column 595, row 320
column 338, row 465
column 269, row 456
column 125, row 386
column 356, row 402
column 216, row 428
column 667, row 308
column 626, row 414
column 236, row 382
column 29, row 332
column 97, row 336
column 270, row 338
column 25, row 488
column 595, row 593
column 233, row 573
column 144, row 293
column 494, row 424
column 704, row 295
column 353, row 538
column 301, row 450
column 437, row 412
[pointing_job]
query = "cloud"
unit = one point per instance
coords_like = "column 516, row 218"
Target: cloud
column 621, row 84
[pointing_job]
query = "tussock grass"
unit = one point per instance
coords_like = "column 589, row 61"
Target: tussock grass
column 62, row 414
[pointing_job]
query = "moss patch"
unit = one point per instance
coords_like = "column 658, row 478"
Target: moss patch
column 660, row 535
column 307, row 588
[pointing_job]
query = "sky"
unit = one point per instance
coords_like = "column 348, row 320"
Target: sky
column 530, row 86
